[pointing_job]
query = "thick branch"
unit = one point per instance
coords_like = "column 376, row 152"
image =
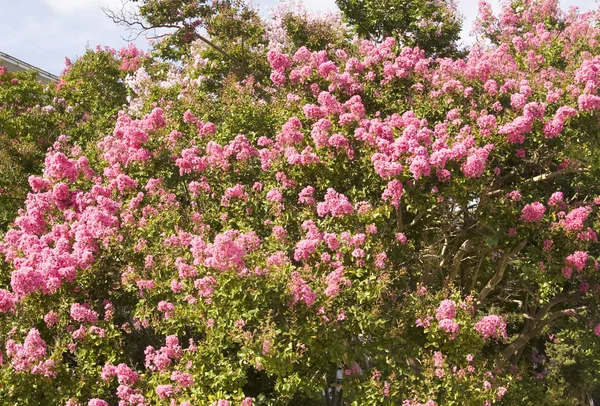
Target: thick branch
column 417, row 218
column 535, row 325
column 458, row 258
column 399, row 225
column 443, row 253
column 476, row 274
column 514, row 349
column 219, row 49
column 504, row 261
column 527, row 334
column 545, row 176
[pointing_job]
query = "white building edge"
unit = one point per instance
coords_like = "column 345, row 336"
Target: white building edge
column 13, row 64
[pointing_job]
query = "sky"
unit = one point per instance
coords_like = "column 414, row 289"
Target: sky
column 44, row 32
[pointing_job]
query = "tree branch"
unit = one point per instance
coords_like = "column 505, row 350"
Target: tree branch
column 476, row 275
column 133, row 20
column 513, row 351
column 504, row 261
column 545, row 176
column 465, row 247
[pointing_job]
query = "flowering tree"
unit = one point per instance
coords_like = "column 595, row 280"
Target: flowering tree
column 432, row 25
column 292, row 26
column 23, row 123
column 85, row 100
column 369, row 226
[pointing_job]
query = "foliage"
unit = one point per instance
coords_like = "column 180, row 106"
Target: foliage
column 182, row 16
column 432, row 25
column 369, row 226
column 25, row 133
column 292, row 26
column 93, row 86
column 239, row 30
column 85, row 101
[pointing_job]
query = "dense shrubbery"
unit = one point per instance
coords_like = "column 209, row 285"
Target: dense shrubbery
column 368, row 226
column 84, row 103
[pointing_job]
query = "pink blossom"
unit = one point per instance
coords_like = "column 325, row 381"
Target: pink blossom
column 205, row 286
column 278, row 61
column 50, row 318
column 501, row 392
column 514, row 195
column 438, row 359
column 221, row 402
column 567, row 272
column 588, row 102
column 274, row 195
column 533, row 212
column 555, row 199
column 334, row 280
column 420, row 166
column 306, row 196
column 335, row 204
column 446, row 310
column 491, row 326
column 166, row 308
column 83, row 313
column 393, row 193
column 305, row 248
column 7, row 301
column 449, row 326
column 425, row 323
column 300, row 290
column 575, row 219
column 97, row 402
column 164, row 391
column 577, row 260
column 475, row 164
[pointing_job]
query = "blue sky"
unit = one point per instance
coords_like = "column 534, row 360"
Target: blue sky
column 43, row 32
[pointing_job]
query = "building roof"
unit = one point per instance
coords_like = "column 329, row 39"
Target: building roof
column 15, row 65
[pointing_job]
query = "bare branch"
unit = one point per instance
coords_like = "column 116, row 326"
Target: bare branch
column 134, row 22
column 443, row 253
column 545, row 176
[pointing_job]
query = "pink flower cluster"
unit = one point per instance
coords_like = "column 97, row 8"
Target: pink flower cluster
column 30, row 355
column 533, row 212
column 575, row 219
column 491, row 326
column 83, row 313
column 7, row 301
column 445, row 314
column 300, row 290
column 577, row 260
column 227, row 251
column 335, row 204
column 125, row 375
column 161, row 360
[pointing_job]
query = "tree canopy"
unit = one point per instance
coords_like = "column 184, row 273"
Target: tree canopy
column 432, row 25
